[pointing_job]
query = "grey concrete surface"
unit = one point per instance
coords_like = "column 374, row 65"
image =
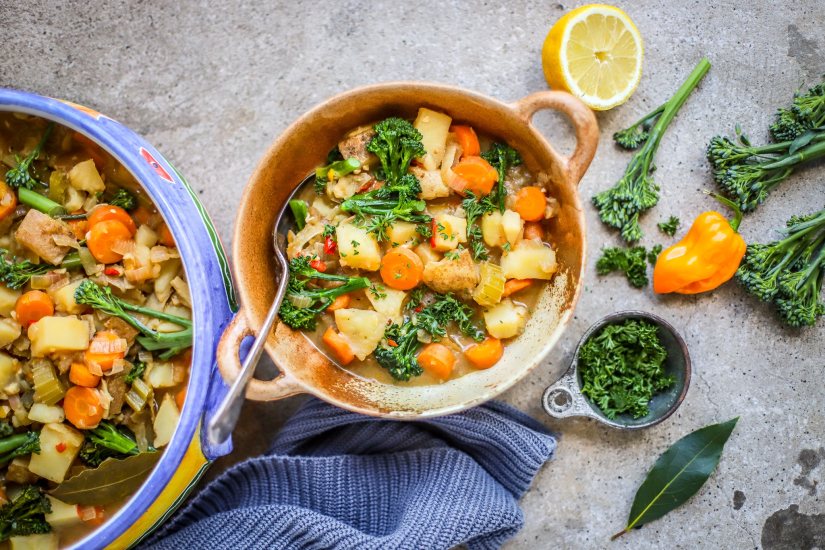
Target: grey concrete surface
column 211, row 84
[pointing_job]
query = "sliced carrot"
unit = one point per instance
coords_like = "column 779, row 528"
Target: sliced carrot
column 341, row 302
column 141, row 215
column 401, row 269
column 105, row 360
column 485, row 354
column 437, row 359
column 83, row 407
column 103, row 236
column 530, row 204
column 180, row 398
column 79, row 227
column 80, row 375
column 165, row 236
column 533, row 230
column 339, row 346
column 33, row 306
column 8, row 200
column 474, row 174
column 468, row 140
column 103, row 212
column 515, row 285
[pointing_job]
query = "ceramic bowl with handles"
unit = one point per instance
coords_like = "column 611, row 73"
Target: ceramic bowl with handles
column 187, row 455
column 304, row 145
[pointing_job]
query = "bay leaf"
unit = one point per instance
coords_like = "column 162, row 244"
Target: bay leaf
column 678, row 474
column 112, row 481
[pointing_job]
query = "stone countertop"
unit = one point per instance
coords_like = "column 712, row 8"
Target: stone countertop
column 211, row 85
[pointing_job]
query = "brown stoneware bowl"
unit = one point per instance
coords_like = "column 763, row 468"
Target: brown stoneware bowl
column 303, row 146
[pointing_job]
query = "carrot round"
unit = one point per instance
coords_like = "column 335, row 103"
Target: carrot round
column 80, row 375
column 33, row 306
column 515, row 285
column 339, row 346
column 165, row 236
column 103, row 212
column 468, row 140
column 341, row 302
column 105, row 360
column 475, row 174
column 530, row 204
column 437, row 359
column 8, row 200
column 83, row 407
column 485, row 354
column 401, row 269
column 533, row 230
column 180, row 398
column 105, row 235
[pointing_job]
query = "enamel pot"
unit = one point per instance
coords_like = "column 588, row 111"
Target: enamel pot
column 187, row 455
column 303, row 146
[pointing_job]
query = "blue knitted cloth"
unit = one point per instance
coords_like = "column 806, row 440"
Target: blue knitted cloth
column 336, row 479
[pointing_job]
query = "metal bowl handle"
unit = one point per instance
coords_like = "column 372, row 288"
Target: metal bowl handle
column 584, row 124
column 572, row 402
column 229, row 364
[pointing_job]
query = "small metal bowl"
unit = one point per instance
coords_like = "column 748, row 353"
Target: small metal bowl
column 565, row 399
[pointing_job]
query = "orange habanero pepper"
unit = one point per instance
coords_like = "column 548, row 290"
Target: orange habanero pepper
column 706, row 257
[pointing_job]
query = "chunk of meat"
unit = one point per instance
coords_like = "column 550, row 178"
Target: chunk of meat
column 452, row 275
column 354, row 144
column 117, row 389
column 432, row 186
column 121, row 328
column 37, row 232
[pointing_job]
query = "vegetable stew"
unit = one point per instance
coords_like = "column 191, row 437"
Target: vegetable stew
column 95, row 331
column 420, row 251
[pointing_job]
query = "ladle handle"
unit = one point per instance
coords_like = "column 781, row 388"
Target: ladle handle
column 226, row 416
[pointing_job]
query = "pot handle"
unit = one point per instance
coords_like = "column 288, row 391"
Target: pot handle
column 229, row 365
column 584, row 123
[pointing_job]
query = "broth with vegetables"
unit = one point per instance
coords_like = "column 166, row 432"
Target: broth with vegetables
column 420, row 251
column 95, row 331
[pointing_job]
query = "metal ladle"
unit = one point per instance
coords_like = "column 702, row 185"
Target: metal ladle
column 226, row 417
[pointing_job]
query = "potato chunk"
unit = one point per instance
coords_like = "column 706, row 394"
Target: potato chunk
column 357, row 248
column 8, row 299
column 9, row 331
column 449, row 231
column 43, row 541
column 426, row 253
column 452, row 275
column 56, row 334
column 433, row 127
column 505, row 319
column 387, row 301
column 491, row 229
column 432, row 184
column 401, row 233
column 64, row 298
column 529, row 260
column 85, row 177
column 362, row 328
column 512, row 226
column 37, row 231
column 51, row 463
column 165, row 421
column 62, row 514
column 9, row 367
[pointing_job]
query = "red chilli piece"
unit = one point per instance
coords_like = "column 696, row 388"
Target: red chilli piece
column 60, row 447
column 318, row 265
column 330, row 246
column 111, row 271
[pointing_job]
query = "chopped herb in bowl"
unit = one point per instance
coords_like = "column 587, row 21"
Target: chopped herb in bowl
column 622, row 366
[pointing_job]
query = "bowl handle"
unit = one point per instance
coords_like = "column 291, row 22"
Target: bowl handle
column 229, row 364
column 564, row 399
column 584, row 123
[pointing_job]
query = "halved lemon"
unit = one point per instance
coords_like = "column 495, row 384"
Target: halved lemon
column 594, row 52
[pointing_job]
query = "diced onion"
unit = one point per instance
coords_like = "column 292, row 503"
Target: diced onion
column 65, row 240
column 118, row 366
column 159, row 254
column 182, row 288
column 300, row 301
column 107, row 346
column 87, row 261
column 124, row 247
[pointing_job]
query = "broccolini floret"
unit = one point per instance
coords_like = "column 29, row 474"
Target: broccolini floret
column 501, row 157
column 396, row 143
column 101, row 298
column 380, row 208
column 806, row 113
column 621, row 205
column 399, row 357
column 633, row 136
column 789, row 272
column 303, row 304
column 19, row 177
column 107, row 441
column 25, row 515
column 124, row 199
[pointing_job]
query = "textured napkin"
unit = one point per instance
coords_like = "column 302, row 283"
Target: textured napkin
column 336, row 479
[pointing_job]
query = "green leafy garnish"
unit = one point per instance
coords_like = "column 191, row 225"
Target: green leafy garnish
column 631, row 261
column 670, row 226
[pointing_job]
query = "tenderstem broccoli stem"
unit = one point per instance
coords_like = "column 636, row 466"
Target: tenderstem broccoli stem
column 806, row 154
column 672, row 107
column 39, row 202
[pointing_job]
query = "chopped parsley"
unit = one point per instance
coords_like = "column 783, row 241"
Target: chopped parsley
column 670, row 226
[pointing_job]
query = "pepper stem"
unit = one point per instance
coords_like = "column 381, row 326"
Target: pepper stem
column 737, row 212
